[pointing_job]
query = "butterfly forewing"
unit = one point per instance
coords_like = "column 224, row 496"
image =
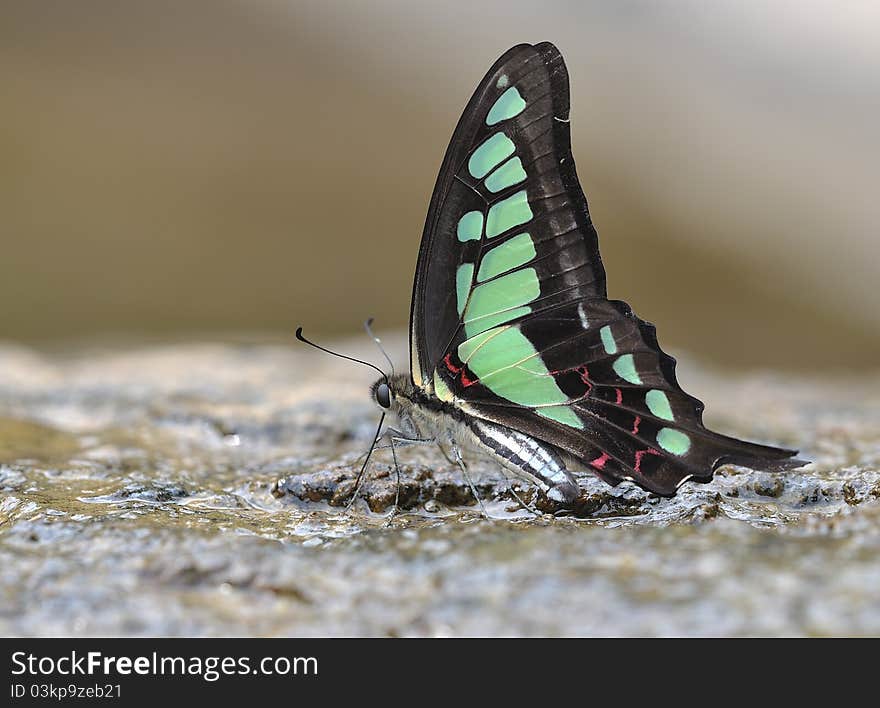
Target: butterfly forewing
column 509, row 163
column 510, row 320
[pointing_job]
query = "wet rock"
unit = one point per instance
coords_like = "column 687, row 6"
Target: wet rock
column 769, row 486
column 202, row 490
column 381, row 489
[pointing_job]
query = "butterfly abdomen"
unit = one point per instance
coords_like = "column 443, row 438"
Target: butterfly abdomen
column 531, row 459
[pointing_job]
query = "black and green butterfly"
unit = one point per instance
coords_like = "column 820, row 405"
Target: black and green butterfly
column 515, row 349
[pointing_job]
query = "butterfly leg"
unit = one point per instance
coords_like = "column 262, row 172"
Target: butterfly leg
column 456, row 454
column 456, row 459
column 393, row 436
column 400, row 439
column 396, row 508
column 516, row 496
column 444, row 453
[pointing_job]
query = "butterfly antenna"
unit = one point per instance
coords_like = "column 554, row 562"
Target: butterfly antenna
column 368, row 325
column 301, row 337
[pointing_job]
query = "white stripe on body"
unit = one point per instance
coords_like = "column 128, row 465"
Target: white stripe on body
column 547, row 468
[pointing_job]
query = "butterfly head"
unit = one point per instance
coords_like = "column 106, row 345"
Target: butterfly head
column 394, row 395
column 391, row 392
column 382, row 394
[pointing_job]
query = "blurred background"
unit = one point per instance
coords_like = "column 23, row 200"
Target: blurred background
column 190, row 170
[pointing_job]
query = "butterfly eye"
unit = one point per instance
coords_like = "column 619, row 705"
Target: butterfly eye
column 383, row 395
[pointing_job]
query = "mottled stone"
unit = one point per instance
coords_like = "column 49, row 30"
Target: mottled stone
column 202, row 490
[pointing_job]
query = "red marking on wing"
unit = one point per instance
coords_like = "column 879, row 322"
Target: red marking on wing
column 449, row 365
column 619, row 396
column 600, row 461
column 640, row 454
column 465, row 381
column 636, row 424
column 456, row 370
column 585, row 377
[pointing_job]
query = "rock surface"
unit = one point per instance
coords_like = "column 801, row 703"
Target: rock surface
column 201, row 490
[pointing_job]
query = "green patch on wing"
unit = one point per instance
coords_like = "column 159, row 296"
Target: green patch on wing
column 509, row 174
column 499, row 300
column 509, row 255
column 673, row 441
column 507, row 213
column 658, row 403
column 508, row 105
column 508, row 364
column 493, row 151
column 608, row 340
column 625, row 367
column 470, row 226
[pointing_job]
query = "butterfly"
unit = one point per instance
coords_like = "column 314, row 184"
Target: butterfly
column 515, row 350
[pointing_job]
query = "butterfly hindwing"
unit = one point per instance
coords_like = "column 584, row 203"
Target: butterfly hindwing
column 510, row 321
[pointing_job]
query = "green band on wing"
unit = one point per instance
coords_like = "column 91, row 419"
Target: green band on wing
column 625, row 367
column 481, row 325
column 463, row 277
column 494, row 150
column 608, row 340
column 673, row 441
column 470, row 346
column 507, row 363
column 561, row 414
column 499, row 296
column 507, row 213
column 509, row 104
column 492, row 351
column 470, row 227
column 507, row 256
column 509, row 174
column 658, row 404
